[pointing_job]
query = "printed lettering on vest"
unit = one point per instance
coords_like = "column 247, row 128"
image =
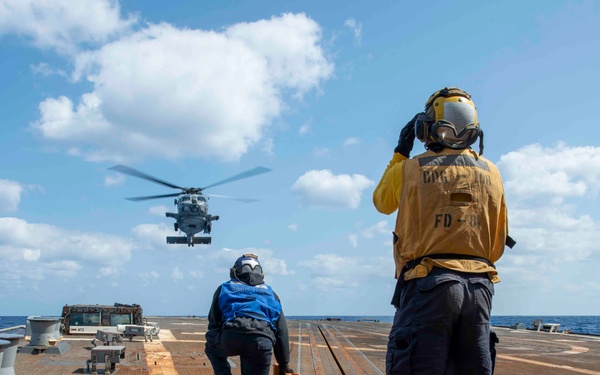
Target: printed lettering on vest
column 482, row 178
column 474, row 221
column 430, row 177
column 443, row 220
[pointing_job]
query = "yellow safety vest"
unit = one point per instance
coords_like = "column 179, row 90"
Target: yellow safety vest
column 448, row 203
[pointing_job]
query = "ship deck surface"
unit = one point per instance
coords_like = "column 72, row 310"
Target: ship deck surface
column 317, row 348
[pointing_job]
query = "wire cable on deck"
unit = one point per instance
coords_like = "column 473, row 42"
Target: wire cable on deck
column 331, row 351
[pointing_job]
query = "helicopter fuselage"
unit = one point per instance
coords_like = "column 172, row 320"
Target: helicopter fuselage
column 192, row 215
column 192, row 205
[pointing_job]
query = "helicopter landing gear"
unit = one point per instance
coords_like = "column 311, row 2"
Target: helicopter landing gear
column 207, row 227
column 190, row 241
column 176, row 226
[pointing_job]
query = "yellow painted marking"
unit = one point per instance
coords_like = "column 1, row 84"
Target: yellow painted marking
column 166, row 335
column 158, row 359
column 574, row 369
column 368, row 332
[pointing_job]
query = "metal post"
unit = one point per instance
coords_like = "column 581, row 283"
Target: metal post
column 7, row 363
column 43, row 330
column 107, row 364
column 3, row 344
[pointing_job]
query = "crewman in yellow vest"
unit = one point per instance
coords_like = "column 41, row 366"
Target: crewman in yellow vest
column 451, row 227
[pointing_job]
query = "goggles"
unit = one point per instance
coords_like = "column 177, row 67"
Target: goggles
column 445, row 133
column 250, row 268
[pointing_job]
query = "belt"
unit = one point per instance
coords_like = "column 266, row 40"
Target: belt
column 413, row 263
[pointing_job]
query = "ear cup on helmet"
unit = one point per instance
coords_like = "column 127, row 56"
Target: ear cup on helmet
column 420, row 131
column 422, row 122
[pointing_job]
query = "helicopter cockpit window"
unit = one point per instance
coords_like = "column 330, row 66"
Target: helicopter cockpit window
column 184, row 199
column 202, row 199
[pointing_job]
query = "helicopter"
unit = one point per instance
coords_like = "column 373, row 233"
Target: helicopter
column 192, row 215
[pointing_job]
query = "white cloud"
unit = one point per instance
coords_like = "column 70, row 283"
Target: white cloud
column 222, row 90
column 351, row 141
column 321, row 151
column 223, row 259
column 149, row 278
column 380, row 227
column 335, row 273
column 176, row 274
column 321, row 188
column 108, row 272
column 10, row 195
column 154, row 235
column 305, row 128
column 66, row 269
column 543, row 231
column 45, row 70
column 269, row 146
column 290, row 45
column 356, row 28
column 550, row 192
column 113, row 180
column 63, row 24
column 271, row 264
column 293, row 227
column 556, row 172
column 353, row 239
column 158, row 210
column 25, row 246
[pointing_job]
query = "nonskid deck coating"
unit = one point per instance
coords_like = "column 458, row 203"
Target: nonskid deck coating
column 317, row 348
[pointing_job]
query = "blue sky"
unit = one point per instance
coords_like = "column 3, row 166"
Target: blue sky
column 195, row 92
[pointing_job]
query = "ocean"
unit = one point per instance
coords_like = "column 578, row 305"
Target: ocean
column 589, row 325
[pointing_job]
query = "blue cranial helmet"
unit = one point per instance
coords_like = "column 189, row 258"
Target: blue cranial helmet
column 245, row 265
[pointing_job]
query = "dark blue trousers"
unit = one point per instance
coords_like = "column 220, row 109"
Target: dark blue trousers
column 254, row 351
column 442, row 326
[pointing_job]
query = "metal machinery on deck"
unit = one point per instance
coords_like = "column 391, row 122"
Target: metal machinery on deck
column 87, row 319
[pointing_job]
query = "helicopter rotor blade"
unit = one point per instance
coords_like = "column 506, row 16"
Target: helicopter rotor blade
column 132, row 172
column 137, row 199
column 249, row 173
column 245, row 200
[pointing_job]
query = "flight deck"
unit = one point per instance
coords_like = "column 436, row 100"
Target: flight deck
column 317, row 348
